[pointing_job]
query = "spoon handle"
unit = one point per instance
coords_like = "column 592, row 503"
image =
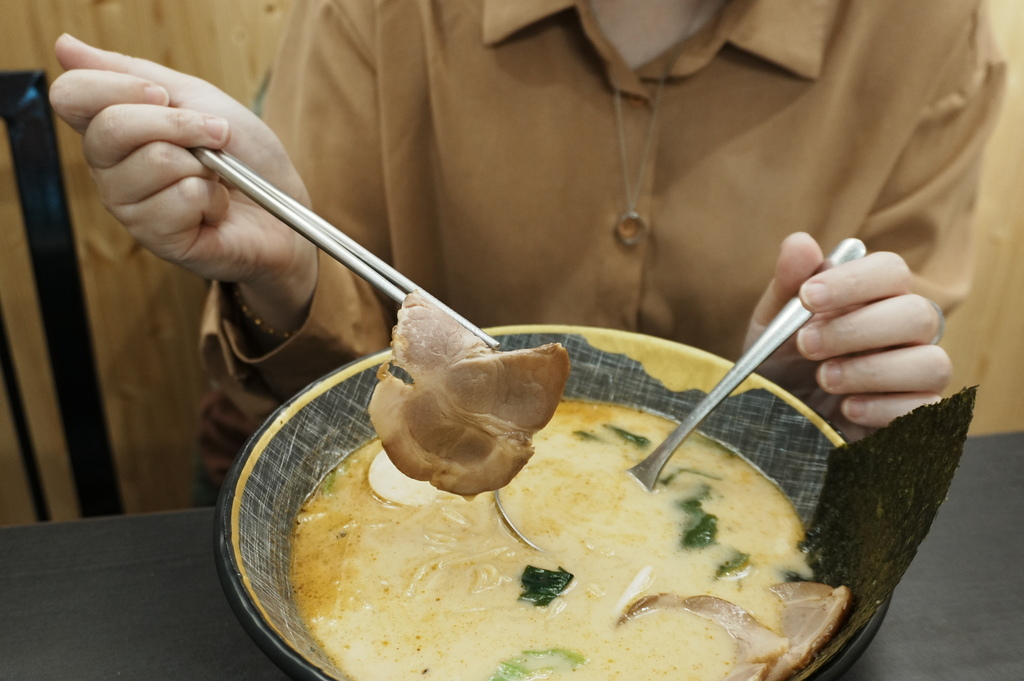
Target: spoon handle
column 786, row 323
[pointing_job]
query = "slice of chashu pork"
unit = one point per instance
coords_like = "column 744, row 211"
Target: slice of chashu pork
column 811, row 615
column 465, row 423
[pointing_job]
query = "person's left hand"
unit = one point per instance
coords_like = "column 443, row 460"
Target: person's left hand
column 868, row 354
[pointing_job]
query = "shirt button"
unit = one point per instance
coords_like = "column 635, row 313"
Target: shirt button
column 631, row 229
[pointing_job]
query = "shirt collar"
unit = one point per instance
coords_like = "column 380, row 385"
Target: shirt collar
column 502, row 18
column 792, row 34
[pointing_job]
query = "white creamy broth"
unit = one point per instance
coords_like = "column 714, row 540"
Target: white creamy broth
column 432, row 591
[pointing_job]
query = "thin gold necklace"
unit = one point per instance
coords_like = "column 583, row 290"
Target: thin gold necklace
column 630, row 227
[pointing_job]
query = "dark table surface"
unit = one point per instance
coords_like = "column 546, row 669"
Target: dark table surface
column 137, row 597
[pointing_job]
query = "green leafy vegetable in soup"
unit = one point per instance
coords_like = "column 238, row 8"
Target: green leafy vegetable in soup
column 701, row 526
column 627, row 436
column 541, row 586
column 735, row 565
column 538, row 664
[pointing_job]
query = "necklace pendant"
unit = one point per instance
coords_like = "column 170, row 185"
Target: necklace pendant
column 630, row 228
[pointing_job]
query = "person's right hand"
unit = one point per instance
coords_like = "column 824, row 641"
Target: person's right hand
column 137, row 120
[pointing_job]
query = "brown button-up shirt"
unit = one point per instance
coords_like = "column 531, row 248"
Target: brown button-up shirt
column 475, row 145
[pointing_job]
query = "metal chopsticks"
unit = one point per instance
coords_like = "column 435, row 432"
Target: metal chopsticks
column 328, row 238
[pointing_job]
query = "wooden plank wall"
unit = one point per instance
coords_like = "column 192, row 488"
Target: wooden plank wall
column 145, row 313
column 985, row 334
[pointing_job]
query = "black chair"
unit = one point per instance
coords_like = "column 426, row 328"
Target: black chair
column 25, row 108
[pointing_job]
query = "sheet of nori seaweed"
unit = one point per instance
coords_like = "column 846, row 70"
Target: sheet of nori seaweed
column 880, row 497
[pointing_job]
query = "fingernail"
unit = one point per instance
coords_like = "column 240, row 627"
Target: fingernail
column 216, row 127
column 854, row 408
column 809, row 340
column 830, row 375
column 68, row 36
column 155, row 94
column 814, row 295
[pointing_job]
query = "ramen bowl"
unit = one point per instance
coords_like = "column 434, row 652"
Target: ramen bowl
column 284, row 462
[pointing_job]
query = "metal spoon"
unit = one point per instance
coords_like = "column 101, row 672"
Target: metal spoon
column 786, row 323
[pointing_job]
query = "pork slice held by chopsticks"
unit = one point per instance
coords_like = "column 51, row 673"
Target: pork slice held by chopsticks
column 466, row 421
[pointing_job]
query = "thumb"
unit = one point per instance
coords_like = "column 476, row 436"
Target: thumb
column 799, row 258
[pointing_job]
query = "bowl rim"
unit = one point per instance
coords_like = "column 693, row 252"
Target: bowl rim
column 648, row 350
column 230, row 571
